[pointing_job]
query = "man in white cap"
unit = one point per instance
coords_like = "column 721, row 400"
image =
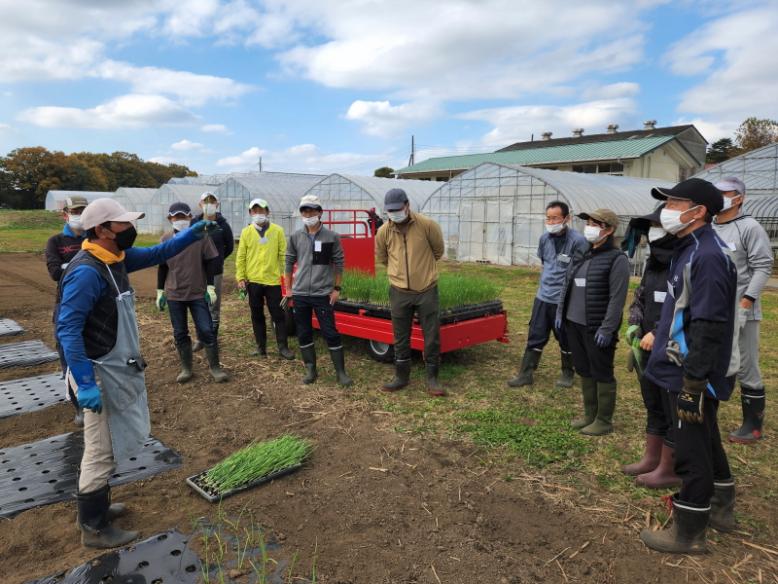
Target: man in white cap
column 315, row 287
column 258, row 269
column 98, row 331
column 753, row 257
column 224, row 241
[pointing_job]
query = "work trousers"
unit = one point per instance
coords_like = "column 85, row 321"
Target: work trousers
column 541, row 325
column 304, row 307
column 201, row 317
column 589, row 360
column 97, row 463
column 699, row 456
column 426, row 304
column 259, row 295
column 656, row 399
column 748, row 341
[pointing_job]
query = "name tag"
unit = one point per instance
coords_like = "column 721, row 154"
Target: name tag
column 317, row 246
column 580, row 282
column 263, row 240
column 563, row 258
column 659, row 296
column 731, row 245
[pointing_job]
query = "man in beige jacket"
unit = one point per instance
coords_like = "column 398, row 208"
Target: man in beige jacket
column 409, row 245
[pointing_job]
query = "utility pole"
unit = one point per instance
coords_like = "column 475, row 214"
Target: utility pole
column 260, row 164
column 412, row 159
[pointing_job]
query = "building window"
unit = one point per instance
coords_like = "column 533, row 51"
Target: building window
column 616, row 168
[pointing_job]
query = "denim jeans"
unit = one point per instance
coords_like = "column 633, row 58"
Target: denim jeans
column 304, row 307
column 201, row 317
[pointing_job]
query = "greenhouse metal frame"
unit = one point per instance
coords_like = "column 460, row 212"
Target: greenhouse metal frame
column 55, row 200
column 758, row 169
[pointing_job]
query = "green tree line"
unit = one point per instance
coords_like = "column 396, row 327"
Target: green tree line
column 27, row 174
column 753, row 133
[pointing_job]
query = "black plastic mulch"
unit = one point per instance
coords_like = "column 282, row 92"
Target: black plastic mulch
column 19, row 396
column 25, row 354
column 9, row 328
column 45, row 472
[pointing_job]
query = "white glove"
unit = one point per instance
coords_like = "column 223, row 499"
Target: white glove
column 210, row 295
column 65, row 265
column 161, row 300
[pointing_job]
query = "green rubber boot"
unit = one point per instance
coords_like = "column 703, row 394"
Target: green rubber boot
column 606, row 403
column 589, row 391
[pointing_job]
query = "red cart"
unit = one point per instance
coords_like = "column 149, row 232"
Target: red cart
column 460, row 327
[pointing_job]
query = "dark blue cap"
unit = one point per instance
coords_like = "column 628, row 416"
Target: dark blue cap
column 177, row 208
column 395, row 200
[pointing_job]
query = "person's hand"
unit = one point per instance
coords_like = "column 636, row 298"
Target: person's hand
column 210, row 295
column 161, row 301
column 602, row 340
column 558, row 324
column 88, row 397
column 647, row 342
column 334, row 295
column 632, row 332
column 746, row 303
column 691, row 400
column 203, row 228
column 242, row 284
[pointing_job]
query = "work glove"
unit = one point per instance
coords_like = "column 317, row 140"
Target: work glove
column 691, row 400
column 602, row 340
column 242, row 294
column 558, row 324
column 204, row 227
column 210, row 295
column 633, row 331
column 88, row 397
column 284, row 302
column 161, row 300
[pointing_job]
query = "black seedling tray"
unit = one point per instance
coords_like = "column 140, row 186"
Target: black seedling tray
column 196, row 482
column 9, row 328
column 29, row 394
column 25, row 354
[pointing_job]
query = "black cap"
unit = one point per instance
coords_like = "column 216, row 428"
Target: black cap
column 177, row 208
column 644, row 223
column 395, row 200
column 695, row 190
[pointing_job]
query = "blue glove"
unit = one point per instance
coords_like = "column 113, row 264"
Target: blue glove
column 558, row 324
column 204, row 227
column 602, row 340
column 88, row 397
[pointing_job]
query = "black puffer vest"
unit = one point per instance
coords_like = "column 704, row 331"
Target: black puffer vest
column 654, row 280
column 100, row 327
column 597, row 282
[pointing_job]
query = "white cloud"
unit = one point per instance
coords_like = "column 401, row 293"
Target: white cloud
column 518, row 123
column 185, row 145
column 304, row 158
column 163, row 160
column 246, row 160
column 612, row 91
column 215, row 129
column 127, row 111
column 736, row 56
column 381, row 118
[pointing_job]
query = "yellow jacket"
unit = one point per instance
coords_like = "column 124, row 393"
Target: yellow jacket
column 410, row 254
column 261, row 262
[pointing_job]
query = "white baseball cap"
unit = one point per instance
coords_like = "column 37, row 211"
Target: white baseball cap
column 310, row 202
column 731, row 183
column 103, row 210
column 207, row 194
column 259, row 203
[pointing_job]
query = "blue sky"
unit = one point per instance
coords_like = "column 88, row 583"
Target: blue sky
column 322, row 86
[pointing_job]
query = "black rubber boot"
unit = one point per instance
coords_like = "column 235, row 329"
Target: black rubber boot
column 567, row 375
column 402, row 376
column 589, row 392
column 260, row 351
column 212, row 354
column 752, row 400
column 606, row 404
column 722, row 506
column 529, row 363
column 93, row 520
column 686, row 535
column 309, row 359
column 433, row 386
column 285, row 351
column 339, row 362
column 185, row 355
column 197, row 346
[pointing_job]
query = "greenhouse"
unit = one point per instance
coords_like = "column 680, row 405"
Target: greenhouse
column 136, row 199
column 765, row 210
column 496, row 213
column 758, row 169
column 55, row 200
column 156, row 209
column 282, row 191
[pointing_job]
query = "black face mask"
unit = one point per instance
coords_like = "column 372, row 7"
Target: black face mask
column 125, row 239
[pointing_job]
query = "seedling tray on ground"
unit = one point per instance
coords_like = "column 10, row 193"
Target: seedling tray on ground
column 29, row 394
column 163, row 558
column 212, row 496
column 25, row 354
column 9, row 328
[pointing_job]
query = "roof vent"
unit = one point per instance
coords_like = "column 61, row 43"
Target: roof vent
column 649, row 125
column 546, row 135
column 578, row 132
column 613, row 128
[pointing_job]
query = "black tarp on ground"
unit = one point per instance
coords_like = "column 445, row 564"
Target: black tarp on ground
column 25, row 354
column 44, row 472
column 29, row 394
column 163, row 558
column 9, row 328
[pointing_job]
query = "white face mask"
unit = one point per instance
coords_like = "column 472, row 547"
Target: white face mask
column 592, row 233
column 74, row 221
column 181, row 224
column 655, row 233
column 397, row 216
column 209, row 209
column 259, row 219
column 728, row 202
column 671, row 220
column 311, row 221
column 554, row 228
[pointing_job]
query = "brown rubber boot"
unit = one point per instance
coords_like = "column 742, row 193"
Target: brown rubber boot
column 650, row 458
column 663, row 476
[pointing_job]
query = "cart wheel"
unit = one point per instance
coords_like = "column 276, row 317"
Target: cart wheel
column 383, row 352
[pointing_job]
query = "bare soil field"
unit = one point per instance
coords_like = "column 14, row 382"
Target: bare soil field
column 373, row 506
